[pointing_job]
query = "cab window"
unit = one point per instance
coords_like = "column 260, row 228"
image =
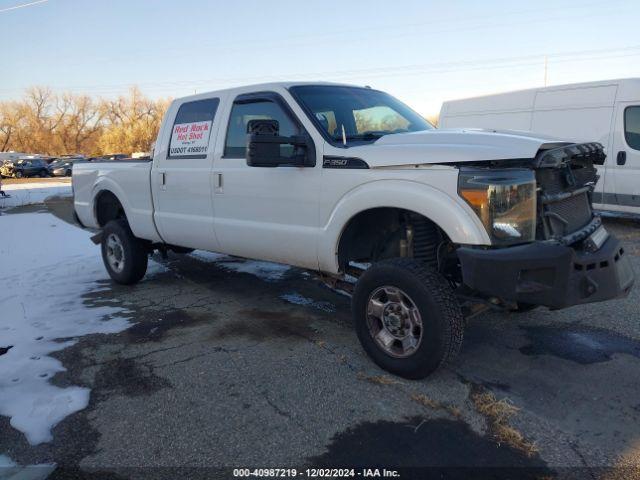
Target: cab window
column 261, row 109
column 191, row 130
column 632, row 127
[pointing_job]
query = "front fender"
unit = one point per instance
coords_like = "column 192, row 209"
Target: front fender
column 451, row 214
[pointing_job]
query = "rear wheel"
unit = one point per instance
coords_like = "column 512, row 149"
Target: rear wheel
column 125, row 256
column 407, row 317
column 18, row 174
column 43, row 174
column 68, row 173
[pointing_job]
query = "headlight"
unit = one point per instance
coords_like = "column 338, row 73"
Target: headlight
column 504, row 200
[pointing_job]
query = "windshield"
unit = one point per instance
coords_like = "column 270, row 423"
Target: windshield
column 357, row 115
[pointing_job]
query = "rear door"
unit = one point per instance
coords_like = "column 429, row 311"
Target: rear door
column 624, row 167
column 181, row 176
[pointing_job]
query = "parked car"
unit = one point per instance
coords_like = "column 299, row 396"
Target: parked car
column 62, row 167
column 434, row 224
column 114, row 156
column 606, row 111
column 29, row 167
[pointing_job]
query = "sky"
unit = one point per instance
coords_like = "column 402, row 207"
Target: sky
column 423, row 52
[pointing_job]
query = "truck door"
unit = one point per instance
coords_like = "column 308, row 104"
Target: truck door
column 625, row 165
column 265, row 213
column 181, row 175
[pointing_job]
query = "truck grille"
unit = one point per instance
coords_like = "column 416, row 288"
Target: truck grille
column 566, row 176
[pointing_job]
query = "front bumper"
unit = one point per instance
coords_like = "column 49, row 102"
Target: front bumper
column 548, row 274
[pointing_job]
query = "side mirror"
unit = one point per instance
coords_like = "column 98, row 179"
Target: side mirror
column 263, row 146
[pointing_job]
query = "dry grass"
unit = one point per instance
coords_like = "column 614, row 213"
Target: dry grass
column 454, row 411
column 422, row 399
column 498, row 413
column 377, row 379
column 425, row 401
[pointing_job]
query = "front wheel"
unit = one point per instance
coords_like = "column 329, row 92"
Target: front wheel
column 43, row 174
column 125, row 256
column 407, row 318
column 18, row 174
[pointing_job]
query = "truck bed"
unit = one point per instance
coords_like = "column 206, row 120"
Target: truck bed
column 128, row 180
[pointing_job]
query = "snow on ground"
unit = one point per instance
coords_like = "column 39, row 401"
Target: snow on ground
column 30, row 193
column 297, row 299
column 271, row 272
column 46, row 266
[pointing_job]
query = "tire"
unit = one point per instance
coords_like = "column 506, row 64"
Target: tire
column 441, row 321
column 43, row 174
column 125, row 257
column 18, row 174
column 67, row 173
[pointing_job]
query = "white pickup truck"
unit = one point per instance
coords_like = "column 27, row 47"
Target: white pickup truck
column 348, row 181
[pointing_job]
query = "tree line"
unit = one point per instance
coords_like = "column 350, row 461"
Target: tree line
column 65, row 123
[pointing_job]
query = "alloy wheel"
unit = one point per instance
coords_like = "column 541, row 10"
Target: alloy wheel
column 115, row 253
column 394, row 321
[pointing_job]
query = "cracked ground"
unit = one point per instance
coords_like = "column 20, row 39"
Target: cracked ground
column 220, row 369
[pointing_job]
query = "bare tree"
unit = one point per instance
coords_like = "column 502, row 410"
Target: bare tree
column 8, row 124
column 45, row 122
column 81, row 126
column 132, row 122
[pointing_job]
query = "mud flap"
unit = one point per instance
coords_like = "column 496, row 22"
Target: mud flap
column 97, row 238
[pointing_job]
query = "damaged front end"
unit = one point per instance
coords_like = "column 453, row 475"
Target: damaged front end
column 560, row 256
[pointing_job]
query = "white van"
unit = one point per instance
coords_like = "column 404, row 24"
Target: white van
column 606, row 111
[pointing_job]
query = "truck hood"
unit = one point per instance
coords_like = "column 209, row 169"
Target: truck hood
column 452, row 146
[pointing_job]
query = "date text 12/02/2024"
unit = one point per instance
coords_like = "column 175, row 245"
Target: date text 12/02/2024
column 315, row 473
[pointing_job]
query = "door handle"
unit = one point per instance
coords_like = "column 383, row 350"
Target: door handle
column 621, row 159
column 217, row 182
column 163, row 178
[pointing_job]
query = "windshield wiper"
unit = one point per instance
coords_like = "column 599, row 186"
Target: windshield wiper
column 364, row 136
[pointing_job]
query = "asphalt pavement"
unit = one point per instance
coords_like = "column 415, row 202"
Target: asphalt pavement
column 223, row 368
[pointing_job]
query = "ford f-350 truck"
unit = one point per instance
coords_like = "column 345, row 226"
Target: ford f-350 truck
column 348, row 181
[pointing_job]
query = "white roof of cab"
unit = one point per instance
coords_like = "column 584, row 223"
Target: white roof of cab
column 259, row 87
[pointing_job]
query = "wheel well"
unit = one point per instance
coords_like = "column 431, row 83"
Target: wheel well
column 380, row 233
column 108, row 208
